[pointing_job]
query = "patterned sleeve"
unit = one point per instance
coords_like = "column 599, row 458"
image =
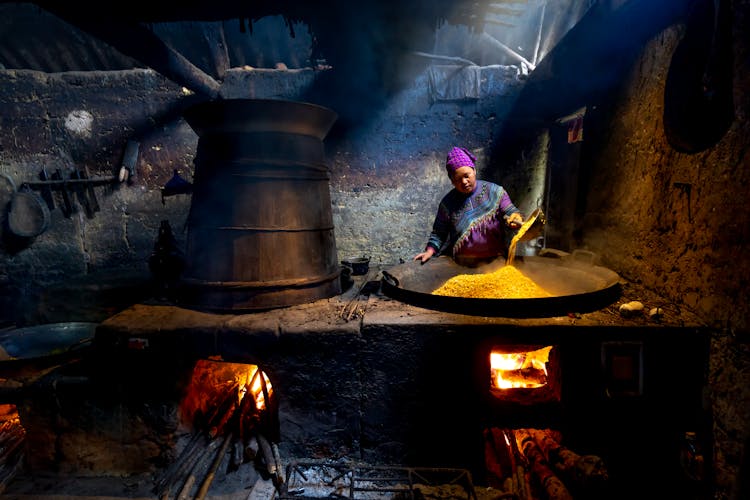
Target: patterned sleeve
column 440, row 229
column 506, row 206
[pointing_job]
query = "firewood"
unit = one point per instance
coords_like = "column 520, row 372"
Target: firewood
column 11, row 431
column 9, row 473
column 494, row 449
column 10, row 447
column 514, row 484
column 226, row 394
column 200, row 465
column 524, row 484
column 237, row 456
column 554, row 488
column 557, row 455
column 279, row 464
column 267, row 454
column 587, row 471
column 185, row 491
column 518, row 463
column 186, row 460
column 166, row 476
column 206, row 483
column 224, row 412
column 192, row 466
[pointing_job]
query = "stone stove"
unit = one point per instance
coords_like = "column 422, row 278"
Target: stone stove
column 396, row 385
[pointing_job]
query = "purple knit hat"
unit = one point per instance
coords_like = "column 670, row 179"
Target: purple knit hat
column 457, row 158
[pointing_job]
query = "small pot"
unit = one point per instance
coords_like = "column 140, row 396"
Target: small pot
column 358, row 265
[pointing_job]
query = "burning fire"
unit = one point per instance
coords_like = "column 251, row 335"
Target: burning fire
column 526, row 369
column 213, row 383
column 257, row 381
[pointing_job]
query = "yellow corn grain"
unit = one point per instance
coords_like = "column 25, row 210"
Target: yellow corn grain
column 505, row 283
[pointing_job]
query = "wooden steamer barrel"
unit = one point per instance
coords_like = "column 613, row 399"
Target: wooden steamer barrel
column 260, row 228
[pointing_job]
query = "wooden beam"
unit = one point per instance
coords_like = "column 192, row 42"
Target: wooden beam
column 142, row 44
column 213, row 34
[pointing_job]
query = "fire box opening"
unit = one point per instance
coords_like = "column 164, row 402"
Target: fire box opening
column 12, row 438
column 528, row 374
column 526, row 369
column 228, row 398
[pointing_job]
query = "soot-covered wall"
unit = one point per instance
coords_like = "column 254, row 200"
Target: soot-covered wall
column 387, row 170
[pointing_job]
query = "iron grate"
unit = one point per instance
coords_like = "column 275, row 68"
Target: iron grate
column 324, row 479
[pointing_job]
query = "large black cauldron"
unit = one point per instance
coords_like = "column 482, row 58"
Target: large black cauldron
column 575, row 283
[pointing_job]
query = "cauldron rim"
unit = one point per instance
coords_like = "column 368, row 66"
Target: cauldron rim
column 396, row 284
column 260, row 116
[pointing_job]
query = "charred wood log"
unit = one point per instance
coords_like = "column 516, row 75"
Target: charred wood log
column 11, row 452
column 552, row 485
column 520, row 484
column 179, row 468
column 199, row 468
column 582, row 471
column 223, row 411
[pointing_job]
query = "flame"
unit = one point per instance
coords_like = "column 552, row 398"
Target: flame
column 519, row 369
column 212, row 381
column 256, row 388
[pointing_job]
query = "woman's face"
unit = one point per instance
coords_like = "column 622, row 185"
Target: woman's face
column 464, row 179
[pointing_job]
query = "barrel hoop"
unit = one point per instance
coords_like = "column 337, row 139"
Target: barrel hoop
column 245, row 161
column 261, row 229
column 239, row 285
column 272, row 146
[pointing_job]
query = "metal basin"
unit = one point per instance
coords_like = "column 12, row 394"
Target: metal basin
column 26, row 351
column 575, row 283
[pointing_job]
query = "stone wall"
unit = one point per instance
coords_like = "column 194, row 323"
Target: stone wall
column 677, row 223
column 386, row 170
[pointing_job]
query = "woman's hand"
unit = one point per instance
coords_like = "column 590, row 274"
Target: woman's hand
column 514, row 220
column 426, row 255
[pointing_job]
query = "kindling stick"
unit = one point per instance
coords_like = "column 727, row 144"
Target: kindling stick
column 214, row 466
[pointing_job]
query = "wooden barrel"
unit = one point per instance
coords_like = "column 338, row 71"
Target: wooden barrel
column 260, row 228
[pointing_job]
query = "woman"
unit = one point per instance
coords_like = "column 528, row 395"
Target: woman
column 472, row 219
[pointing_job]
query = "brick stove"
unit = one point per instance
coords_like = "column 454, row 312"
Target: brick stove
column 396, row 385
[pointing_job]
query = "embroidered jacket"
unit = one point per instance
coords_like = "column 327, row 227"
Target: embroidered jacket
column 472, row 225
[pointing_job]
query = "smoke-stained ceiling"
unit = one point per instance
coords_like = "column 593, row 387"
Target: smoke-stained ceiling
column 194, row 43
column 373, row 46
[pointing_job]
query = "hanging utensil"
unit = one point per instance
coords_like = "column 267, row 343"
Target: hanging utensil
column 28, row 215
column 67, row 209
column 46, row 190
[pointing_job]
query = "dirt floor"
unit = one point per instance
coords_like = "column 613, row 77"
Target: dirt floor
column 313, row 478
column 234, row 486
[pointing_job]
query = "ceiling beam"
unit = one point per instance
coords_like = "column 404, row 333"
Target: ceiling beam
column 139, row 42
